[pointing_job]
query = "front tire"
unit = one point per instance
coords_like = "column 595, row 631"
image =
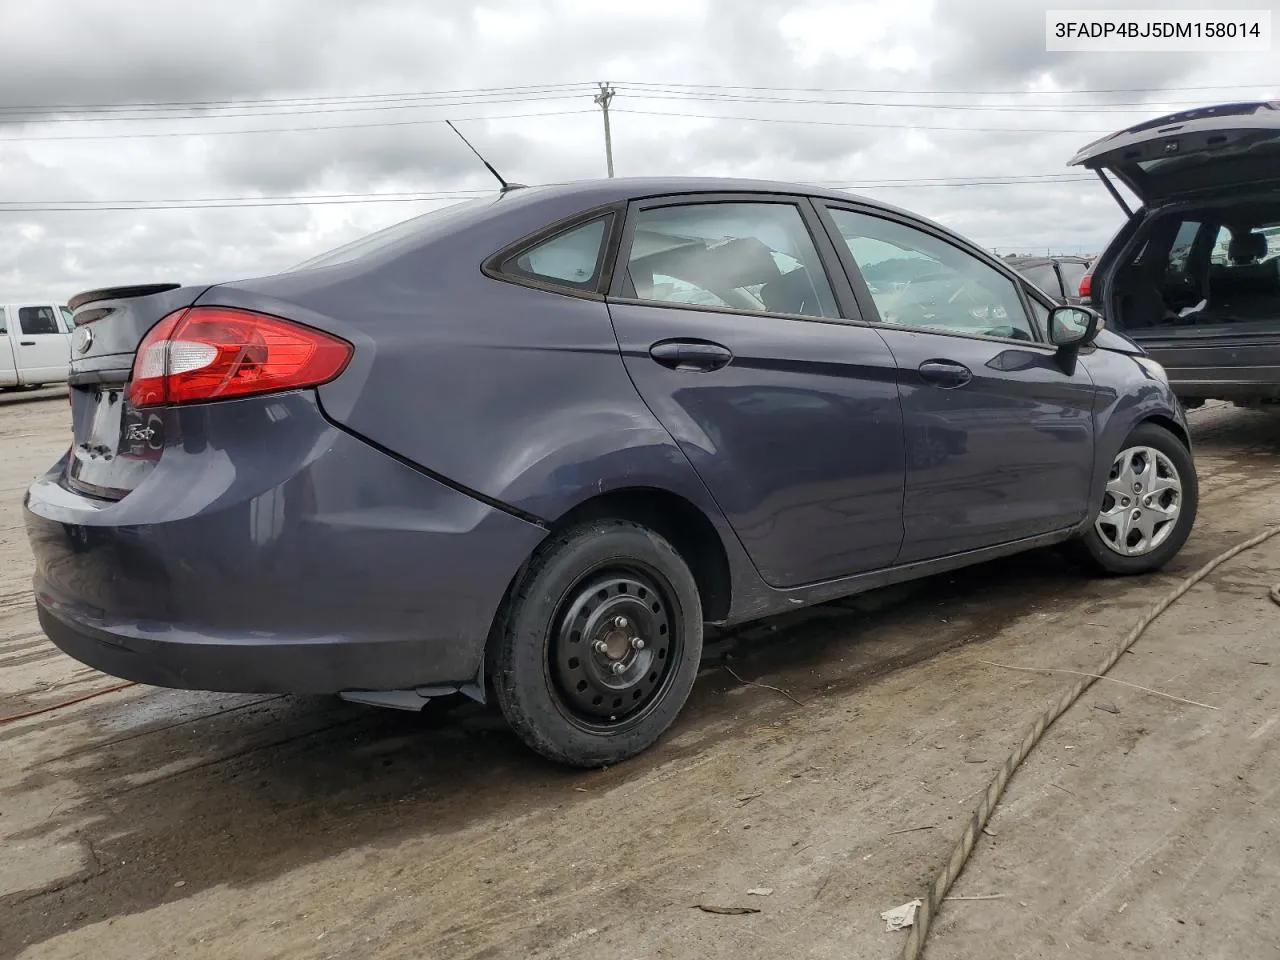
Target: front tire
column 1149, row 505
column 598, row 647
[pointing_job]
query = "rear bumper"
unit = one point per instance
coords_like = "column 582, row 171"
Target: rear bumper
column 242, row 664
column 298, row 560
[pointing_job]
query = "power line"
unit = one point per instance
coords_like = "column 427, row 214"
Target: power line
column 308, row 129
column 1135, row 107
column 849, row 123
column 223, row 203
column 468, row 92
column 358, row 108
column 221, row 206
column 967, row 93
column 234, row 102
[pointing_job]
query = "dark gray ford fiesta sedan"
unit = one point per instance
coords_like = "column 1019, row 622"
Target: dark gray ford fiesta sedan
column 525, row 448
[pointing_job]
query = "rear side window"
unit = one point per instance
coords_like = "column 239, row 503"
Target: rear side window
column 3, row 326
column 37, row 321
column 1182, row 244
column 569, row 259
column 753, row 257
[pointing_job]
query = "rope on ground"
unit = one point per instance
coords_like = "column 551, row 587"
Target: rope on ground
column 66, row 703
column 932, row 902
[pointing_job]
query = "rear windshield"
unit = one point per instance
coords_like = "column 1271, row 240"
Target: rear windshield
column 417, row 227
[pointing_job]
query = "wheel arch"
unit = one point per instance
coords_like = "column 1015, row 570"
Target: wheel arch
column 686, row 527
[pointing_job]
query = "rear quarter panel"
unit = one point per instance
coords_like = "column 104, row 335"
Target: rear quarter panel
column 514, row 394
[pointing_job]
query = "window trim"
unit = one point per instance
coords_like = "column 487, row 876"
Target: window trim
column 493, row 265
column 847, row 307
column 867, row 303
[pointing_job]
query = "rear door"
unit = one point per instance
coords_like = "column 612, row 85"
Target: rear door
column 43, row 349
column 999, row 437
column 758, row 365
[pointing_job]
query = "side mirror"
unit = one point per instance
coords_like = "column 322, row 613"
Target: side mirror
column 1073, row 326
column 1070, row 328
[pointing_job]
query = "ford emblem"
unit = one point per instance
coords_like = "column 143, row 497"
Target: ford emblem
column 82, row 340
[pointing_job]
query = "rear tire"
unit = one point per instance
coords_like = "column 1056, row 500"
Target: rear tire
column 598, row 647
column 1149, row 506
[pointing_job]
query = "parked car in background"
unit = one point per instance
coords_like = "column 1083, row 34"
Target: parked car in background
column 526, row 446
column 1194, row 274
column 35, row 344
column 1058, row 276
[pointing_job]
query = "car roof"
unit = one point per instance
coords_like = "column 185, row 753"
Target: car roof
column 620, row 189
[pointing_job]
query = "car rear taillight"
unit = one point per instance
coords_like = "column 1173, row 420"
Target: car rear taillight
column 1086, row 285
column 215, row 353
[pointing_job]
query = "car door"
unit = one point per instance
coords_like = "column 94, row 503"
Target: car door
column 43, row 349
column 757, row 364
column 999, row 436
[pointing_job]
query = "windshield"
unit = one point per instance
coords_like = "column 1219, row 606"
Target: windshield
column 432, row 220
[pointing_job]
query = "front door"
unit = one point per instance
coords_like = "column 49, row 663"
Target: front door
column 732, row 332
column 999, row 437
column 43, row 347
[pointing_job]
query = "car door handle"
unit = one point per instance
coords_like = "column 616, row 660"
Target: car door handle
column 26, row 343
column 945, row 373
column 697, row 355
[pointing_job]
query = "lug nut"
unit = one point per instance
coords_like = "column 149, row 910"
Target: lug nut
column 637, row 643
column 618, row 668
column 621, row 623
column 1124, row 501
column 600, row 647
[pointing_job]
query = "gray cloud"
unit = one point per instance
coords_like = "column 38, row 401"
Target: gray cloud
column 136, row 51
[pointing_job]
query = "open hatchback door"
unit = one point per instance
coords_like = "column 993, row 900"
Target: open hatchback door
column 1182, row 155
column 1193, row 276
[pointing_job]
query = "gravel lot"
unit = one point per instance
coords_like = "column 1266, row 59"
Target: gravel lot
column 156, row 823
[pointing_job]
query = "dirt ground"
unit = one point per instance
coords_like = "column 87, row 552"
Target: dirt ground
column 154, row 823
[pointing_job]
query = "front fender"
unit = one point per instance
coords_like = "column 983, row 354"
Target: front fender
column 1127, row 396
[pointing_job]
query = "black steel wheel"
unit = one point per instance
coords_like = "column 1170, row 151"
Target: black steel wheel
column 598, row 648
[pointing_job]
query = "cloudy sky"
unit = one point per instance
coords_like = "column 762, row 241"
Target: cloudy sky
column 949, row 107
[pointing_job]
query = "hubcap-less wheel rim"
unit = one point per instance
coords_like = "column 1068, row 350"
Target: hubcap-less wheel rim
column 1142, row 502
column 613, row 647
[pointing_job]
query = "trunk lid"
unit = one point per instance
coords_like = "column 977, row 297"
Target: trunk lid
column 1222, row 148
column 115, row 447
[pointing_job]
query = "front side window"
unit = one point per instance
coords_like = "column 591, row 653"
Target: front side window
column 571, row 258
column 918, row 280
column 68, row 320
column 37, row 321
column 756, row 257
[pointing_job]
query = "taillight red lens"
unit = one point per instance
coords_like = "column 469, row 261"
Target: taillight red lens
column 1086, row 285
column 215, row 353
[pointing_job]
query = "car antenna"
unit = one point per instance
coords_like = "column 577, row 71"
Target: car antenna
column 489, row 166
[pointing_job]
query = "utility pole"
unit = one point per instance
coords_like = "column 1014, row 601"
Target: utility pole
column 604, row 98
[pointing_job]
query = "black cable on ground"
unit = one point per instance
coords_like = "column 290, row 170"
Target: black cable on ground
column 932, row 901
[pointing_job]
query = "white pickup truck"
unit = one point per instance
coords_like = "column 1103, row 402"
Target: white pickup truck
column 35, row 344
